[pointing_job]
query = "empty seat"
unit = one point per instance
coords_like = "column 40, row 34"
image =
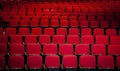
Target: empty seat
column 86, row 31
column 2, row 63
column 94, row 24
column 64, row 23
column 30, row 39
column 102, row 39
column 66, row 47
column 69, row 61
column 44, row 39
column 87, row 39
column 34, row 23
column 74, row 23
column 114, row 49
column 58, row 39
column 82, row 49
column 115, row 24
column 24, row 31
column 74, row 31
column 16, row 62
column 16, row 39
column 84, row 24
column 36, row 31
column 24, row 23
column 13, row 23
column 3, row 49
column 50, row 49
column 106, row 62
column 10, row 31
column 33, row 49
column 54, row 23
column 98, row 31
column 104, row 24
column 61, row 31
column 52, row 61
column 111, row 32
column 73, row 39
column 49, row 31
column 3, row 39
column 87, row 61
column 16, row 49
column 44, row 23
column 82, row 18
column 34, row 62
column 118, row 62
column 114, row 40
column 98, row 49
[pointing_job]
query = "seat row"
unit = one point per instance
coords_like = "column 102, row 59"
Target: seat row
column 61, row 39
column 61, row 23
column 62, row 16
column 63, row 5
column 54, row 49
column 55, row 62
column 60, row 31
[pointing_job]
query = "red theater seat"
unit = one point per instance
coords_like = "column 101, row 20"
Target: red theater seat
column 98, row 31
column 74, row 31
column 115, row 40
column 44, row 39
column 86, row 31
column 64, row 23
column 98, row 49
column 36, row 31
column 24, row 23
column 58, row 39
column 13, row 23
column 82, row 49
column 50, row 49
column 34, row 62
column 84, row 24
column 24, row 31
column 74, row 23
column 34, row 23
column 16, row 49
column 102, row 39
column 49, row 31
column 33, row 49
column 16, row 39
column 114, row 49
column 87, row 61
column 10, row 31
column 61, row 31
column 52, row 61
column 69, row 61
column 111, row 32
column 104, row 24
column 87, row 39
column 54, row 23
column 106, row 62
column 30, row 39
column 16, row 62
column 44, row 23
column 73, row 39
column 66, row 47
column 94, row 24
